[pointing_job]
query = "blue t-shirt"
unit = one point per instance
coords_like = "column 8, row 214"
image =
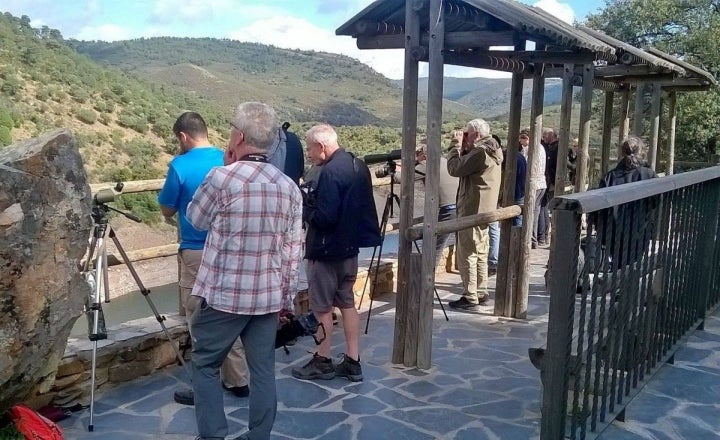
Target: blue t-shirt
column 185, row 174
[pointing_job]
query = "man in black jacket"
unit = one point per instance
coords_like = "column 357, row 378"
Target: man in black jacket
column 341, row 218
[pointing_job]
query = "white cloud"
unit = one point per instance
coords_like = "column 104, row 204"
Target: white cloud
column 188, row 11
column 563, row 11
column 105, row 32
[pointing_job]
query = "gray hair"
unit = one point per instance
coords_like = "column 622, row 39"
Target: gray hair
column 322, row 134
column 258, row 123
column 550, row 131
column 480, row 126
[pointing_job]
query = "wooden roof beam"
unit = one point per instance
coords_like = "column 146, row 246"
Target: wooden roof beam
column 538, row 56
column 622, row 70
column 480, row 61
column 453, row 40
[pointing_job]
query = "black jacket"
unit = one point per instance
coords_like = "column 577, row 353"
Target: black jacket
column 623, row 174
column 341, row 215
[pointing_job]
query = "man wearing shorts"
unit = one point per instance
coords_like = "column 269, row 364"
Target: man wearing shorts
column 341, row 218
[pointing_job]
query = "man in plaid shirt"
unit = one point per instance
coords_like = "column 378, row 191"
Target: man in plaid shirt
column 249, row 269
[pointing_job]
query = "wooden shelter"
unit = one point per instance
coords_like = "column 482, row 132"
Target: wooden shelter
column 468, row 33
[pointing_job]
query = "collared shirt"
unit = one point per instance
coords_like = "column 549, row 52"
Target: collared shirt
column 253, row 214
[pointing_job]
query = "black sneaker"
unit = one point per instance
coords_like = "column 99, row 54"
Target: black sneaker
column 185, row 396
column 464, row 304
column 242, row 391
column 350, row 368
column 319, row 367
column 492, row 271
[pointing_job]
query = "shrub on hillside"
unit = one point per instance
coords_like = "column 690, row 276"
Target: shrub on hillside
column 12, row 85
column 5, row 136
column 6, row 120
column 79, row 95
column 86, row 115
column 133, row 122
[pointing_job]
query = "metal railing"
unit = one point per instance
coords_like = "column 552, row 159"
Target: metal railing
column 624, row 294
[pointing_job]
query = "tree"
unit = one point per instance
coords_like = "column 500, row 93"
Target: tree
column 689, row 30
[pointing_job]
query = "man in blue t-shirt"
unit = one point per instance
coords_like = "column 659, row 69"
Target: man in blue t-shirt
column 185, row 174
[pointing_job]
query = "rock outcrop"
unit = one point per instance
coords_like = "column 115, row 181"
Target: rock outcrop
column 45, row 205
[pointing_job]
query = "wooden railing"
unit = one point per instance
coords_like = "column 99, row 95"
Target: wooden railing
column 648, row 278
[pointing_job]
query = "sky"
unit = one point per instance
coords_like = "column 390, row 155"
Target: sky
column 292, row 24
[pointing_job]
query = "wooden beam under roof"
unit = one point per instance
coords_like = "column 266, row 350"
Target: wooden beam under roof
column 538, row 56
column 453, row 40
column 472, row 59
column 623, row 70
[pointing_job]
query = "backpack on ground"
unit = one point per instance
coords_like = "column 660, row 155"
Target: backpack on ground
column 32, row 425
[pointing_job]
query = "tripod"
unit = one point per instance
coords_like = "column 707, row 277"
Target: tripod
column 97, row 277
column 387, row 213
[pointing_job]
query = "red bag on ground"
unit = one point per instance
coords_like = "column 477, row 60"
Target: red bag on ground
column 32, row 425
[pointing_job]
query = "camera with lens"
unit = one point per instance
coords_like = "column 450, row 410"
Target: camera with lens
column 388, row 158
column 297, row 327
column 309, row 194
column 386, row 170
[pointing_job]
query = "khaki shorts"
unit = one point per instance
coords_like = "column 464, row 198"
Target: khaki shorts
column 330, row 284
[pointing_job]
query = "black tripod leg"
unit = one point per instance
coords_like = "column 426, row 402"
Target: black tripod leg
column 372, row 260
column 437, row 295
column 146, row 293
column 374, row 285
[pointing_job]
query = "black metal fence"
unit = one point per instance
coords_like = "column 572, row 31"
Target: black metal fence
column 625, row 290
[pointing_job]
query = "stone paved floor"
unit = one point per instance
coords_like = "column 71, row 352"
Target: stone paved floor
column 481, row 386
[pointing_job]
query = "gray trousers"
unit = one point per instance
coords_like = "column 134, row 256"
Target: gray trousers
column 214, row 333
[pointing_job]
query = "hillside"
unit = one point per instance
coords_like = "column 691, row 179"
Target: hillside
column 489, row 97
column 302, row 86
column 123, row 124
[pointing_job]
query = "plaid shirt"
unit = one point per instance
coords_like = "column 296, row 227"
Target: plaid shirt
column 253, row 214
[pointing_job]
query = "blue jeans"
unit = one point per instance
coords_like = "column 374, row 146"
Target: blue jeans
column 447, row 212
column 494, row 232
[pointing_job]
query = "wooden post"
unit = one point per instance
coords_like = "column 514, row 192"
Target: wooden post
column 412, row 316
column 639, row 110
column 514, row 268
column 503, row 301
column 407, row 184
column 655, row 131
column 536, row 117
column 560, row 318
column 432, row 182
column 564, row 135
column 581, row 172
column 624, row 130
column 607, row 133
column 672, row 102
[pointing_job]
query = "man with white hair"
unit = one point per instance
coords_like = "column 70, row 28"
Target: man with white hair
column 249, row 270
column 341, row 218
column 478, row 164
